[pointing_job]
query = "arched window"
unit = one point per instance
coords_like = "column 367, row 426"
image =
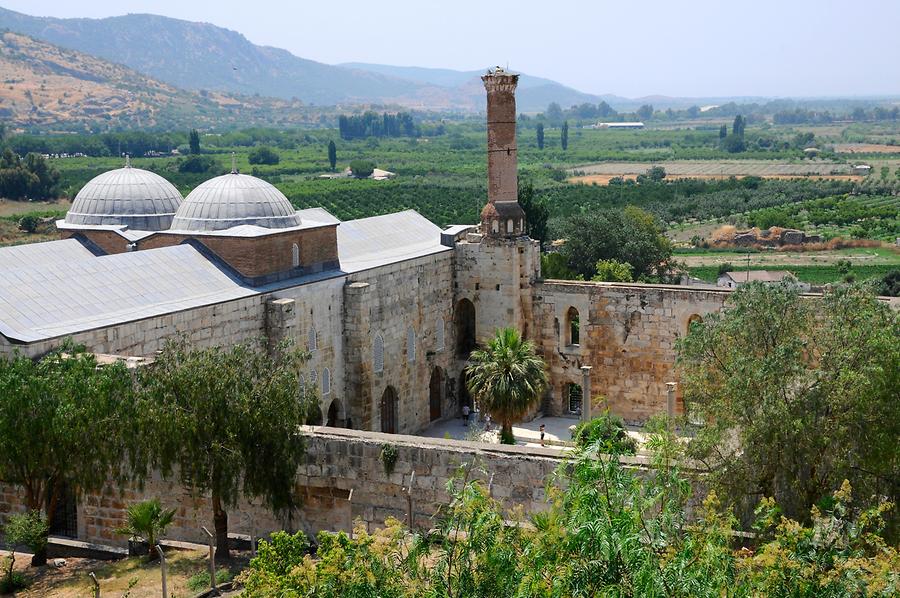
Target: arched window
column 509, row 225
column 313, row 378
column 573, row 327
column 312, row 342
column 573, row 398
column 295, row 256
column 695, row 319
column 439, row 334
column 326, row 382
column 378, row 354
column 495, row 226
column 411, row 344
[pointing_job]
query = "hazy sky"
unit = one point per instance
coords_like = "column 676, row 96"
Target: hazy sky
column 629, row 47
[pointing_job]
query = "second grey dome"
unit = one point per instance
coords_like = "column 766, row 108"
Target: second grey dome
column 232, row 200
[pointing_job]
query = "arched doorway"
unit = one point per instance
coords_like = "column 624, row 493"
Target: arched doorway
column 436, row 393
column 573, row 397
column 694, row 320
column 389, row 410
column 314, row 417
column 334, row 414
column 465, row 399
column 464, row 318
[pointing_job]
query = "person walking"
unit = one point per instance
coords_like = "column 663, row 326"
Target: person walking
column 542, row 434
column 465, row 415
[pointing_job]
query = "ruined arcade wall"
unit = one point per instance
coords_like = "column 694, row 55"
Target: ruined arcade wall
column 627, row 334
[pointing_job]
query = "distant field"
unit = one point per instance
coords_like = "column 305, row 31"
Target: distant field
column 14, row 208
column 812, row 274
column 781, row 260
column 866, row 148
column 717, row 169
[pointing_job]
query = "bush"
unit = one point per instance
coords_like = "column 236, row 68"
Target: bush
column 362, row 169
column 609, row 431
column 147, row 520
column 200, row 581
column 198, row 164
column 27, row 529
column 263, row 155
column 12, row 581
column 29, row 223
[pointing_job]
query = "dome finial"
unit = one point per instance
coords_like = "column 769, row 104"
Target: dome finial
column 127, row 161
column 233, row 163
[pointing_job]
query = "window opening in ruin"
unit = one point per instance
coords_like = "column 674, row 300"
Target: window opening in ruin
column 694, row 319
column 509, row 225
column 439, row 334
column 295, row 256
column 378, row 354
column 411, row 344
column 326, row 382
column 573, row 327
column 495, row 226
column 313, row 341
column 573, row 398
column 465, row 328
column 389, row 411
column 313, row 378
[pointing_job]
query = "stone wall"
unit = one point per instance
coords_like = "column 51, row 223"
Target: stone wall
column 337, row 462
column 627, row 334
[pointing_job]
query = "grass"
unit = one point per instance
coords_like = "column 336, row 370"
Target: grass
column 816, row 275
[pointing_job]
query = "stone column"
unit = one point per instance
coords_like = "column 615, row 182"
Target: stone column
column 586, row 393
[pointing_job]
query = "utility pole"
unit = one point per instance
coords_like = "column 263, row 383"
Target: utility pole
column 212, row 561
column 162, row 567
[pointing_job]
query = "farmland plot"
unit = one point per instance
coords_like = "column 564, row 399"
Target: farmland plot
column 602, row 172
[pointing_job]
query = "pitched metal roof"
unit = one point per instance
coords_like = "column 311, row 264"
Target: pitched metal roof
column 39, row 254
column 371, row 242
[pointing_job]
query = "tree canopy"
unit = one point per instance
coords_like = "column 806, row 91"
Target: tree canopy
column 630, row 236
column 796, row 395
column 263, row 155
column 227, row 419
column 65, row 424
column 32, row 177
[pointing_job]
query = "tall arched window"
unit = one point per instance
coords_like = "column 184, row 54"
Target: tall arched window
column 509, row 225
column 573, row 398
column 326, row 382
column 495, row 226
column 378, row 354
column 439, row 334
column 312, row 342
column 313, row 378
column 573, row 327
column 411, row 344
column 295, row 256
column 464, row 317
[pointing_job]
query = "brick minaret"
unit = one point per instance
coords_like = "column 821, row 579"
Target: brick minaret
column 502, row 216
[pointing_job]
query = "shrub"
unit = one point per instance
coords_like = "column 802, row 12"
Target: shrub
column 29, row 223
column 200, row 581
column 263, row 155
column 27, row 529
column 12, row 581
column 147, row 520
column 362, row 169
column 388, row 457
column 198, row 164
column 609, row 430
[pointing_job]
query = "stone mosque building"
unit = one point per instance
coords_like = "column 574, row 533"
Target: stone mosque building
column 389, row 307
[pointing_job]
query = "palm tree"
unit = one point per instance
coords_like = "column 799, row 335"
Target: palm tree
column 148, row 521
column 507, row 379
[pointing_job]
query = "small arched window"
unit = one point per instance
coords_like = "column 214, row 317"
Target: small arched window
column 495, row 226
column 411, row 344
column 509, row 225
column 378, row 354
column 313, row 378
column 312, row 342
column 439, row 334
column 573, row 327
column 326, row 382
column 295, row 256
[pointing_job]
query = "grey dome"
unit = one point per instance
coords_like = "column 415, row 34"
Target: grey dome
column 139, row 199
column 232, row 200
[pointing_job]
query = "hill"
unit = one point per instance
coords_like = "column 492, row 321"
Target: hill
column 189, row 55
column 46, row 87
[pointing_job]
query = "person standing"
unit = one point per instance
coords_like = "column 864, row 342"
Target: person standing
column 542, row 434
column 465, row 415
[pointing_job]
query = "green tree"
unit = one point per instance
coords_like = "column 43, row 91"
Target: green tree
column 645, row 112
column 263, row 155
column 29, row 223
column 199, row 164
column 65, row 422
column 733, row 144
column 30, row 530
column 362, row 169
column 506, row 379
column 194, row 141
column 564, row 136
column 540, row 135
column 148, row 521
column 227, row 419
column 332, row 155
column 781, row 382
column 613, row 271
column 555, row 266
column 738, row 126
column 536, row 211
column 554, row 113
column 656, row 173
column 723, row 131
column 630, row 236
